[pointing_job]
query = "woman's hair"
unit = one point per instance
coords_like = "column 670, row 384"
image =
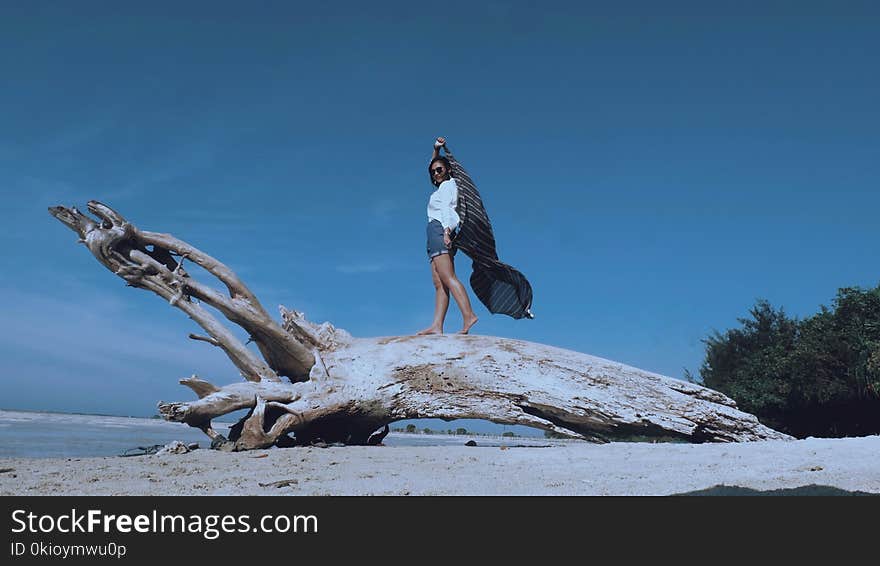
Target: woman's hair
column 445, row 163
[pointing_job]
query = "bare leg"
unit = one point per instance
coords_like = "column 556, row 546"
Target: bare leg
column 441, row 304
column 446, row 270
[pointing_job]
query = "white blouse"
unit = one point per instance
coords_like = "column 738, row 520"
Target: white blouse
column 441, row 205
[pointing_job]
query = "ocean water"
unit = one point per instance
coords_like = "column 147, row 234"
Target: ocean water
column 58, row 435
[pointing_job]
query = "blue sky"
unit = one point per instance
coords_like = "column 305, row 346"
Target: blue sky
column 652, row 168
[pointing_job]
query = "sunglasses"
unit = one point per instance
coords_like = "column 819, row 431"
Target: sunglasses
column 439, row 169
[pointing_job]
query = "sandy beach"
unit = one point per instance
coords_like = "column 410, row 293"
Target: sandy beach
column 532, row 467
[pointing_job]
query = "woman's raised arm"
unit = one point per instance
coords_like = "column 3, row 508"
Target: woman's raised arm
column 438, row 143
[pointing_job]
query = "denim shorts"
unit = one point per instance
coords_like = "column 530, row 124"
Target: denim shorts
column 435, row 241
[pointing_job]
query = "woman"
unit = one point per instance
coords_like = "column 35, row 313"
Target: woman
column 443, row 221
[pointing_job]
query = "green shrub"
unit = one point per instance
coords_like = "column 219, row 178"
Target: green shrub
column 814, row 377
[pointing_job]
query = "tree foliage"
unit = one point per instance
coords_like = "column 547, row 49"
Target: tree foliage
column 819, row 376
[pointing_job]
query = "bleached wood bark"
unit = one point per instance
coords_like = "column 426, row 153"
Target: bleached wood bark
column 156, row 262
column 345, row 389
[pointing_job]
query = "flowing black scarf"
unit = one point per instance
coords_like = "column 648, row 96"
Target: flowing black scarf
column 500, row 287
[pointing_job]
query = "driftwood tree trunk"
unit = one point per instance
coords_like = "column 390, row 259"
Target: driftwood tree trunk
column 343, row 389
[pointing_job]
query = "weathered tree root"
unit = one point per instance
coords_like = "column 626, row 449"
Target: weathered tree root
column 342, row 389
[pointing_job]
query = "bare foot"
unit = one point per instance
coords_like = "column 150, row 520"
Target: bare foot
column 468, row 323
column 429, row 330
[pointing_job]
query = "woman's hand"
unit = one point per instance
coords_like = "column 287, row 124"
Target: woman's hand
column 446, row 239
column 439, row 142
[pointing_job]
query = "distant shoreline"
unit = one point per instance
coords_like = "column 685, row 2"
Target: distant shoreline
column 232, row 422
column 46, row 435
column 79, row 414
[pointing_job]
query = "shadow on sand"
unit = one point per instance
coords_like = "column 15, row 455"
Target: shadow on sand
column 812, row 489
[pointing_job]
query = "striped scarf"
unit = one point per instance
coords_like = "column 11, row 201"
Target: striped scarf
column 500, row 287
